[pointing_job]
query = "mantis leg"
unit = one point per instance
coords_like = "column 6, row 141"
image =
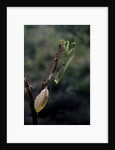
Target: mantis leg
column 67, row 50
column 66, row 46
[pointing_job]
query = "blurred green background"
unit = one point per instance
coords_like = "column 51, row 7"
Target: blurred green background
column 69, row 101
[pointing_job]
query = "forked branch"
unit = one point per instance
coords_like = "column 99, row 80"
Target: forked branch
column 45, row 83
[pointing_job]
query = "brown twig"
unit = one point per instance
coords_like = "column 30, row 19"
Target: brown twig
column 44, row 84
column 54, row 67
column 30, row 100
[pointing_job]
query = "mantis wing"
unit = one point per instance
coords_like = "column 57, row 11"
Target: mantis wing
column 64, row 66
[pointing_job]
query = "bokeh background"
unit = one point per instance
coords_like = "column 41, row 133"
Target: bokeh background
column 69, row 101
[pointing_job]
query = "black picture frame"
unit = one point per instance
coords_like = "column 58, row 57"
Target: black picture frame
column 3, row 101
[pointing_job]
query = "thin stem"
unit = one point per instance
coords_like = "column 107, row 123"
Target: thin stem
column 30, row 100
column 54, row 67
column 44, row 84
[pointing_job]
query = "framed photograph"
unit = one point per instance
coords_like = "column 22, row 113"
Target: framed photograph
column 63, row 98
column 57, row 75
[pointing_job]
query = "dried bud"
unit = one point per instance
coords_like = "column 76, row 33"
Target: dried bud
column 41, row 100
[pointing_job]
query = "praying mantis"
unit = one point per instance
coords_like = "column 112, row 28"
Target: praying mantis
column 68, row 53
column 67, row 57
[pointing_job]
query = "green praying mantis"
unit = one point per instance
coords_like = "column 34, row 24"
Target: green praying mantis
column 68, row 54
